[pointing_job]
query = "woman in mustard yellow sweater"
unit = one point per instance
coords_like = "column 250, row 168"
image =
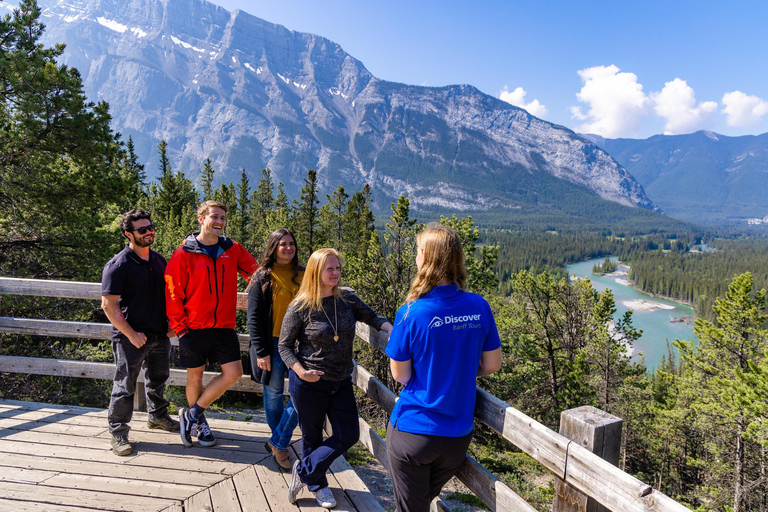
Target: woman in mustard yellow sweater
column 271, row 290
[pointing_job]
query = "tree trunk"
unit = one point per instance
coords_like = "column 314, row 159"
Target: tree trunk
column 739, row 477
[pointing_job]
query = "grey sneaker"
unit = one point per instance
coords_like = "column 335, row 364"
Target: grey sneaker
column 186, row 426
column 296, row 484
column 164, row 422
column 204, row 434
column 120, row 445
column 325, row 497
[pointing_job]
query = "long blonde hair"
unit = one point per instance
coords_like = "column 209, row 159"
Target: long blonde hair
column 443, row 259
column 310, row 294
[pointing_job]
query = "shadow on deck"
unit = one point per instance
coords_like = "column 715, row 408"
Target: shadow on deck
column 58, row 458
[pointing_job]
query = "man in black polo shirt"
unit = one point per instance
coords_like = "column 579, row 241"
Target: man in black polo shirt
column 133, row 297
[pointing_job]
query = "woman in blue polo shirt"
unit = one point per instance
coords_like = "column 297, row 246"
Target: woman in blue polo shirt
column 443, row 339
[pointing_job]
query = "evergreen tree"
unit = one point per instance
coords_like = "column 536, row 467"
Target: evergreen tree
column 480, row 276
column 728, row 349
column 173, row 202
column 358, row 223
column 61, row 186
column 305, row 216
column 206, row 180
column 133, row 172
column 262, row 202
column 333, row 217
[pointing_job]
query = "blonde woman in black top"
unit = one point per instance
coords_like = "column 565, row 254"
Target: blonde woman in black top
column 316, row 344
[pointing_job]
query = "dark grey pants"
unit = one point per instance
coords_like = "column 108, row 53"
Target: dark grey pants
column 420, row 465
column 155, row 357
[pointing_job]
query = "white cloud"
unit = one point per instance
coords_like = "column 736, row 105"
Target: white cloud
column 676, row 103
column 517, row 98
column 743, row 110
column 616, row 102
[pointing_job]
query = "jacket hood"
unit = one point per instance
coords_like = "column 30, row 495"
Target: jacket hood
column 192, row 244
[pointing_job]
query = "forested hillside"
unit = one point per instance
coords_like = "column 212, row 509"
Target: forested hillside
column 694, row 428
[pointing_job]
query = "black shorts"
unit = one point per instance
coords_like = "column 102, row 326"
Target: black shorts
column 200, row 346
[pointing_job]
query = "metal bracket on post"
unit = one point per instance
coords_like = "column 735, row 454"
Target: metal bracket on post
column 598, row 432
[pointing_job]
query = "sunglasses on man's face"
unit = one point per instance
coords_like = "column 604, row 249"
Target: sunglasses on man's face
column 143, row 229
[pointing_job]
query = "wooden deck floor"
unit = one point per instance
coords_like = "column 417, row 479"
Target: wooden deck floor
column 58, row 458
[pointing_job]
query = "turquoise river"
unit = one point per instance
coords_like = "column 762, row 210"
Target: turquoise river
column 655, row 324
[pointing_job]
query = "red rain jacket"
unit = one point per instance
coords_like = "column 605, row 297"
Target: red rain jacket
column 201, row 293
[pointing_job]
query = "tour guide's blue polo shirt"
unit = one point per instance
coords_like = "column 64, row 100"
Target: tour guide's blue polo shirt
column 444, row 333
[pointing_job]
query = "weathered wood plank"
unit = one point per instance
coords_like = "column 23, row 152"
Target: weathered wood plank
column 224, row 498
column 544, row 445
column 52, row 427
column 438, row 505
column 24, row 475
column 110, row 469
column 50, row 288
column 129, row 487
column 374, row 388
column 67, row 289
column 249, row 491
column 81, row 498
column 492, row 491
column 373, row 441
column 213, row 465
column 143, row 459
column 274, row 485
column 34, row 506
column 176, row 507
column 6, row 404
column 355, row 489
column 611, row 487
column 68, row 329
column 377, row 339
column 103, row 371
column 598, row 432
column 200, row 502
column 147, row 440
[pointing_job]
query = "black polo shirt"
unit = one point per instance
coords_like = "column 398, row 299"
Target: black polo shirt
column 141, row 287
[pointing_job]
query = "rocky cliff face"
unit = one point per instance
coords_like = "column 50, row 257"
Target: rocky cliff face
column 250, row 94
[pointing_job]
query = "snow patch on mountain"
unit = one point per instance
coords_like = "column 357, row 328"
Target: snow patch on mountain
column 186, row 45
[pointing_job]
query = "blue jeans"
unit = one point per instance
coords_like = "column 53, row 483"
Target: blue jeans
column 282, row 420
column 314, row 401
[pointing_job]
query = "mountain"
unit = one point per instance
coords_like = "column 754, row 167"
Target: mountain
column 250, row 94
column 701, row 177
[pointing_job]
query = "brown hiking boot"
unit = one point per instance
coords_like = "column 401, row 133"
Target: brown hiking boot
column 120, row 445
column 281, row 456
column 164, row 422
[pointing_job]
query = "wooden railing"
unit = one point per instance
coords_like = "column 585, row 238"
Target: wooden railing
column 582, row 475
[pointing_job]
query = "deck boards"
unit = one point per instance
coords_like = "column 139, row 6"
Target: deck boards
column 58, row 458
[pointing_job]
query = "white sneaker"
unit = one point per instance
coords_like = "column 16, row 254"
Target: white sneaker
column 325, row 498
column 296, row 484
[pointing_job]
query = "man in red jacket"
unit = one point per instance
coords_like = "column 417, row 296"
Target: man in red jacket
column 201, row 298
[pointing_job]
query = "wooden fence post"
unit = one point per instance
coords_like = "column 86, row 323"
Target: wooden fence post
column 598, row 432
column 140, row 396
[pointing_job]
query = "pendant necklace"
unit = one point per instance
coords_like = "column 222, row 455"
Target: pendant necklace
column 335, row 317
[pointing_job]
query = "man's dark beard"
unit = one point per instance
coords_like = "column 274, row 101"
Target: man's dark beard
column 140, row 242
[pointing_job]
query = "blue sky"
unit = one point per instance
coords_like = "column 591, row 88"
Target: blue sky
column 616, row 68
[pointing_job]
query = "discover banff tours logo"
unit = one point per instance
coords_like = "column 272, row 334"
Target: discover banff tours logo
column 464, row 320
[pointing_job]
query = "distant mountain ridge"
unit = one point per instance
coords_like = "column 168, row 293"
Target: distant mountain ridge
column 250, row 94
column 701, row 177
